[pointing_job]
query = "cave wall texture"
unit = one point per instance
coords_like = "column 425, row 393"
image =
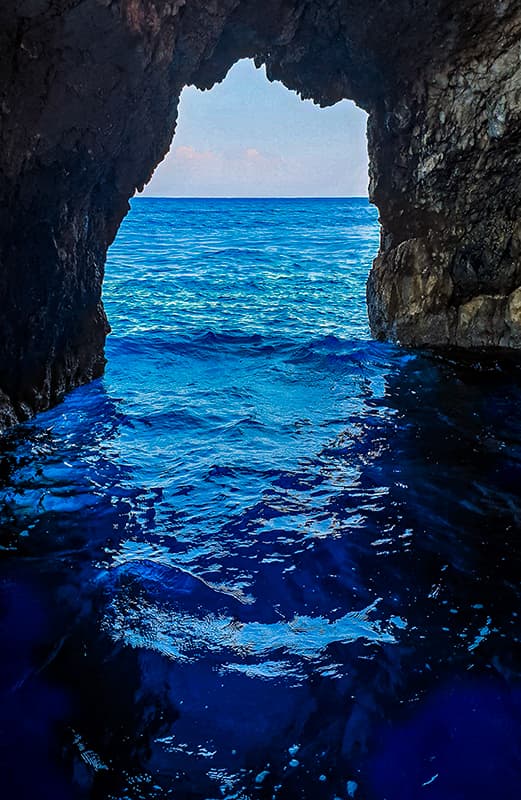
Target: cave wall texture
column 88, row 102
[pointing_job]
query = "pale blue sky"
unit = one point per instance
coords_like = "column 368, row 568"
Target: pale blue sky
column 247, row 137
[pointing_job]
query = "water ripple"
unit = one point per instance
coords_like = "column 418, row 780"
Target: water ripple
column 263, row 557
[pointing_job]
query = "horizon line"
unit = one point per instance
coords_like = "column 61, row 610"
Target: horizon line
column 251, row 197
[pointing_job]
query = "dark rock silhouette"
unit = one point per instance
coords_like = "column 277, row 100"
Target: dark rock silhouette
column 88, row 104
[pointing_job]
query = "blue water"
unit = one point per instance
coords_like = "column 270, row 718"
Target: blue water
column 264, row 556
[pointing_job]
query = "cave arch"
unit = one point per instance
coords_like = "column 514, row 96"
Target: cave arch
column 88, row 101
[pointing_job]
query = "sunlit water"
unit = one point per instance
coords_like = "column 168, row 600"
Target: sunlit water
column 264, row 556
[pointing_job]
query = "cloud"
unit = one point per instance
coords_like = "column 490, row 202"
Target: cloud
column 251, row 172
column 187, row 153
column 246, row 171
column 230, row 158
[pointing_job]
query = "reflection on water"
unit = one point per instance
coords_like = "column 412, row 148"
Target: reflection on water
column 255, row 562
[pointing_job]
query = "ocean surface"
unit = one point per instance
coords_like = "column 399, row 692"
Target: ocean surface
column 265, row 557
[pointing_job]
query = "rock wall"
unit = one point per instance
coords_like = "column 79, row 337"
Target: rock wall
column 446, row 161
column 88, row 103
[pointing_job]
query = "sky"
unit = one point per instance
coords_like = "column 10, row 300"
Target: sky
column 248, row 137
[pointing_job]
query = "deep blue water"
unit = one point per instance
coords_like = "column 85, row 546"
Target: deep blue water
column 264, row 556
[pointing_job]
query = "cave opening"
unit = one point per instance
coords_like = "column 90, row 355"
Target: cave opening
column 76, row 149
column 229, row 254
column 287, row 180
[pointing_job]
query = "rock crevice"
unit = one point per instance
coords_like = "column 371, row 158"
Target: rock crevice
column 89, row 92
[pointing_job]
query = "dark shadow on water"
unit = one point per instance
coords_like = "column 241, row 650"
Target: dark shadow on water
column 398, row 674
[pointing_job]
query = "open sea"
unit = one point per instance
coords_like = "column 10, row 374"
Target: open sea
column 265, row 557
